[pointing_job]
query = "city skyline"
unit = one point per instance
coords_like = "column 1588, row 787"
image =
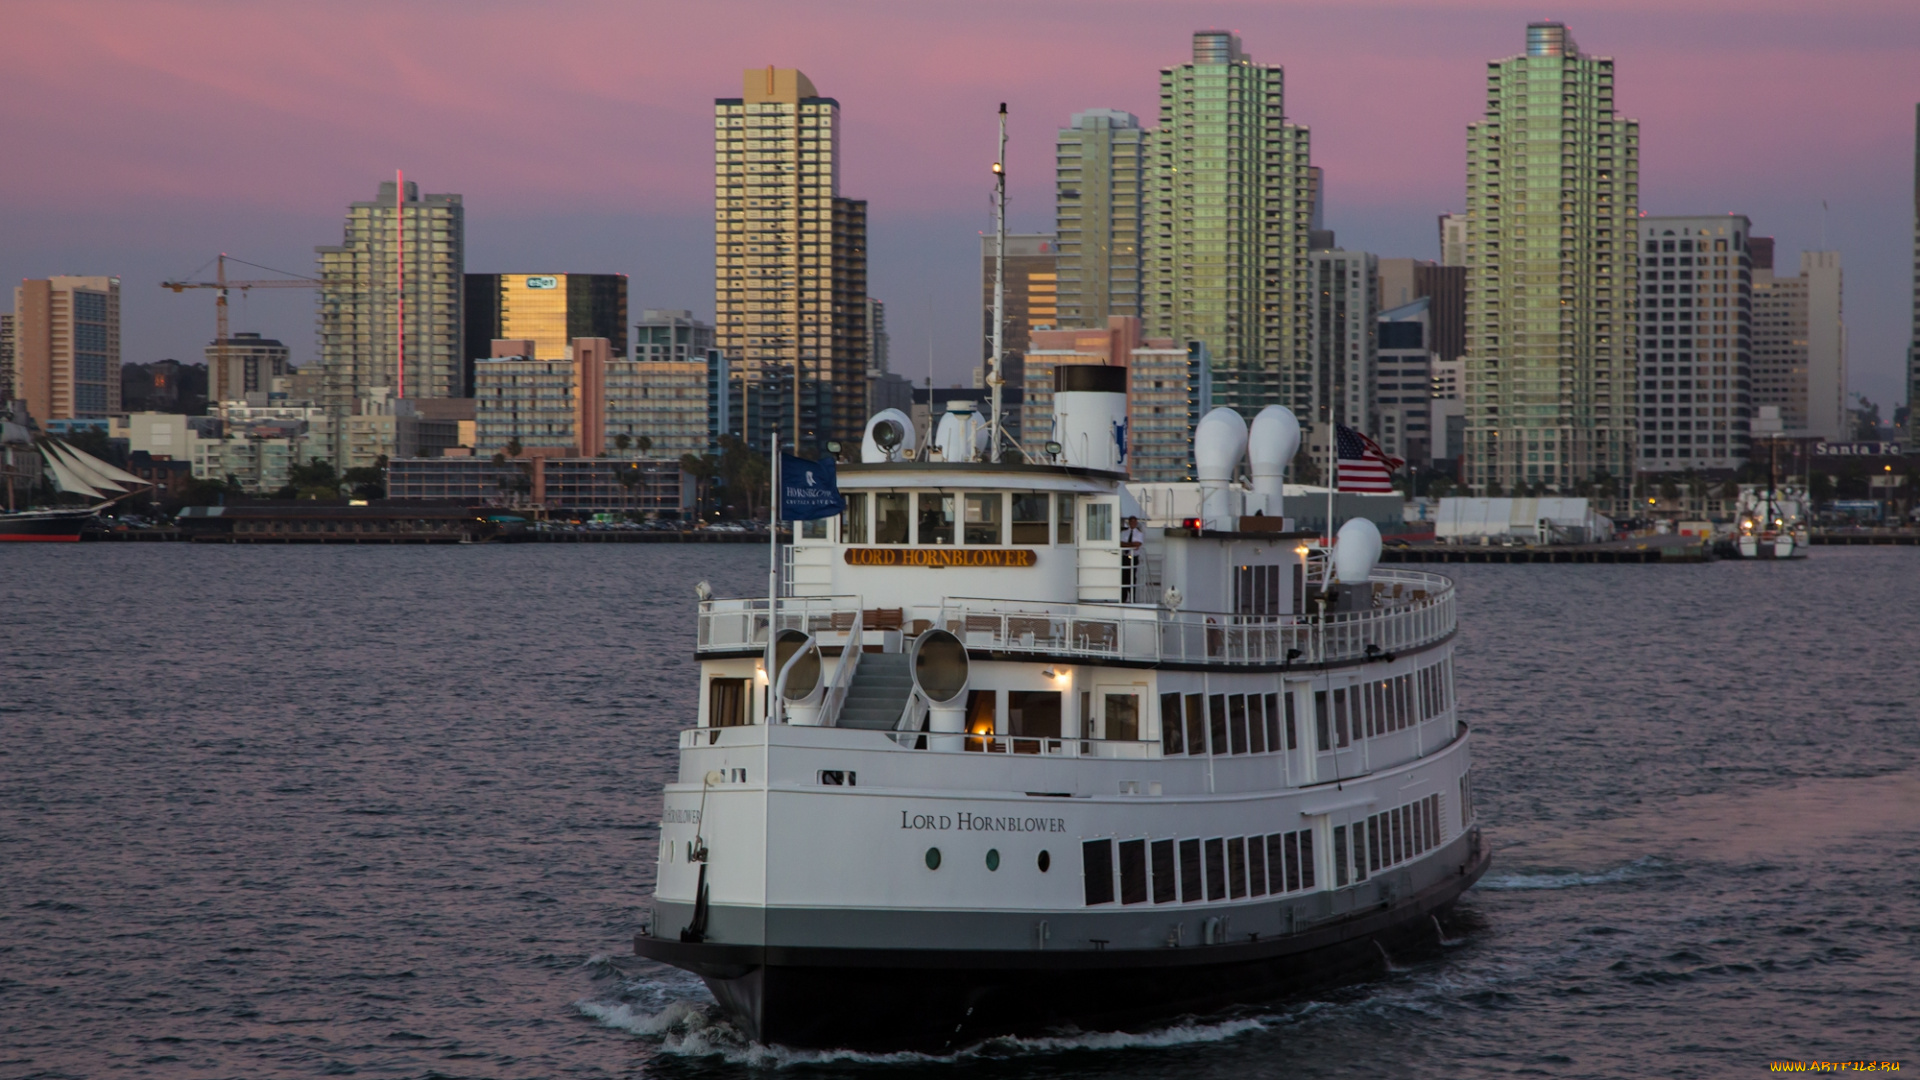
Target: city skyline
column 161, row 184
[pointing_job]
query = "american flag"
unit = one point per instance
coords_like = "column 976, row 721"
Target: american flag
column 1363, row 466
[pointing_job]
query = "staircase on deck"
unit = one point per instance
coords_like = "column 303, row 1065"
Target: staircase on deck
column 878, row 693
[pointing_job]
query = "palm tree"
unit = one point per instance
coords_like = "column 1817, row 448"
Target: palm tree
column 629, row 478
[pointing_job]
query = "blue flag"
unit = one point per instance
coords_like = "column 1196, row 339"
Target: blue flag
column 808, row 489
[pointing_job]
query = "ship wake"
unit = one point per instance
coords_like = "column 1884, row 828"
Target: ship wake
column 687, row 1023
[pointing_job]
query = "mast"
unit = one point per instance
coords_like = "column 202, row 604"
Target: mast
column 217, row 386
column 999, row 284
column 773, row 562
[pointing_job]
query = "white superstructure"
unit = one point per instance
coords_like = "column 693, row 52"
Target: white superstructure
column 1005, row 730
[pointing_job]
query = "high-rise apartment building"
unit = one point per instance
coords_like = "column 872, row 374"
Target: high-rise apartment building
column 878, row 341
column 1345, row 299
column 1696, row 312
column 7, row 391
column 549, row 310
column 1169, row 388
column 252, row 363
column 1800, row 344
column 1230, row 203
column 401, row 265
column 1097, row 203
column 1913, row 348
column 1552, row 198
column 671, row 334
column 66, row 346
column 667, row 402
column 790, row 253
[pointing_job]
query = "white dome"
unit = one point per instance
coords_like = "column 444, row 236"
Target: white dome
column 1355, row 551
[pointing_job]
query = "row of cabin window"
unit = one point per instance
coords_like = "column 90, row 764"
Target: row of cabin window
column 1380, row 706
column 1226, row 723
column 1189, row 871
column 1384, row 840
column 988, row 518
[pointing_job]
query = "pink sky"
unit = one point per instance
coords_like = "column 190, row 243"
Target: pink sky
column 143, row 137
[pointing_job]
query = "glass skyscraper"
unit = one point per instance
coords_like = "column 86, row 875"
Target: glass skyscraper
column 1230, row 202
column 1552, row 273
column 1097, row 217
column 790, row 254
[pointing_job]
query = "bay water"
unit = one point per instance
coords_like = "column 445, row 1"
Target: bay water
column 391, row 812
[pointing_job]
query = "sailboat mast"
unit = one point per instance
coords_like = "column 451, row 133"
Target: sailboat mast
column 999, row 282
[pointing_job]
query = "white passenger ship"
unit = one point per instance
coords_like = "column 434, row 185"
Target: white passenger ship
column 1007, row 774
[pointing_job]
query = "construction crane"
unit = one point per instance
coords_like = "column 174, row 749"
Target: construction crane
column 217, row 378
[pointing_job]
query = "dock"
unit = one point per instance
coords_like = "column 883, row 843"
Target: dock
column 1641, row 552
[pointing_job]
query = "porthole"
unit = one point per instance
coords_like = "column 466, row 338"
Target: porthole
column 993, row 858
column 933, row 858
column 1046, row 861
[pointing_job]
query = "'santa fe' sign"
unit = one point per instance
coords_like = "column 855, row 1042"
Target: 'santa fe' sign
column 940, row 556
column 543, row 283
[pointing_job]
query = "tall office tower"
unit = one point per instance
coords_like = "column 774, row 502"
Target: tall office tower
column 1402, row 391
column 1096, row 202
column 1230, row 202
column 790, row 254
column 1800, row 344
column 1696, row 303
column 1032, row 298
column 253, row 362
column 1453, row 239
column 548, row 309
column 412, row 250
column 878, row 342
column 671, row 334
column 1913, row 349
column 1340, row 341
column 66, row 346
column 1552, row 197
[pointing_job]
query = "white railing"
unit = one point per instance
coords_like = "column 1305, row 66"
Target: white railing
column 1411, row 610
column 842, row 675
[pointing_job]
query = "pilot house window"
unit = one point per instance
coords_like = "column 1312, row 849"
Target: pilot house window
column 936, row 518
column 1030, row 518
column 890, row 517
column 983, row 519
column 853, row 523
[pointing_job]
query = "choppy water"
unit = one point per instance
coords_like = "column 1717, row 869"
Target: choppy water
column 276, row 812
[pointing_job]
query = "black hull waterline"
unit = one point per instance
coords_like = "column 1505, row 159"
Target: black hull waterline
column 942, row 1000
column 57, row 526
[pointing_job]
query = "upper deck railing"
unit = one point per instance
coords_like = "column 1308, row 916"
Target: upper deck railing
column 1411, row 610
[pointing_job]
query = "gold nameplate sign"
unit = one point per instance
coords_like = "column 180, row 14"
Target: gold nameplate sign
column 940, row 556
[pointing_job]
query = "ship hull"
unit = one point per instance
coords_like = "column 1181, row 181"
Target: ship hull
column 938, row 1001
column 51, row 527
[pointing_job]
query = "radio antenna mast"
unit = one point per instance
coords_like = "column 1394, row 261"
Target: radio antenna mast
column 999, row 282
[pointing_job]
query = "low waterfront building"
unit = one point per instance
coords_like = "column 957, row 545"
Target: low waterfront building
column 554, row 483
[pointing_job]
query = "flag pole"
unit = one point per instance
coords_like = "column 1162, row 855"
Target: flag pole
column 773, row 570
column 1333, row 482
column 1333, row 473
